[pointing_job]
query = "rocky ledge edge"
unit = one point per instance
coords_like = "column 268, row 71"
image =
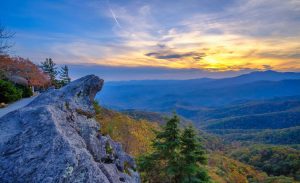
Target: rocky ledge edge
column 56, row 139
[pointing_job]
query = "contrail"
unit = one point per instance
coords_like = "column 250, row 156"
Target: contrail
column 113, row 14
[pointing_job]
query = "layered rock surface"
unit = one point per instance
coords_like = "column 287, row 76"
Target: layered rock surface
column 56, row 139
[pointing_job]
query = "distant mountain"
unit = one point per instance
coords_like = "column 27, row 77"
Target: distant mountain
column 259, row 110
column 159, row 82
column 274, row 121
column 241, row 109
column 257, row 76
column 256, row 107
column 268, row 75
column 285, row 136
column 169, row 95
column 229, row 94
column 277, row 113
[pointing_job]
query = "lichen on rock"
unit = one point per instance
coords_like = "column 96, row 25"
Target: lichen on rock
column 56, row 139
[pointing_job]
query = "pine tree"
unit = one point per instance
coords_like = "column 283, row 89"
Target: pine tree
column 176, row 158
column 64, row 75
column 151, row 168
column 163, row 164
column 167, row 145
column 49, row 67
column 192, row 157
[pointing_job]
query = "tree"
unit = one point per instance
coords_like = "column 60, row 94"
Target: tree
column 176, row 158
column 5, row 37
column 163, row 164
column 166, row 144
column 49, row 67
column 12, row 67
column 192, row 157
column 31, row 72
column 64, row 75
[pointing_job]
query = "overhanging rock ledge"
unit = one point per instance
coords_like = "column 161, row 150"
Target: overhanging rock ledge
column 56, row 139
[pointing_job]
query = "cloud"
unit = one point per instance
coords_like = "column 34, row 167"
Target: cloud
column 267, row 67
column 211, row 35
column 241, row 36
column 170, row 55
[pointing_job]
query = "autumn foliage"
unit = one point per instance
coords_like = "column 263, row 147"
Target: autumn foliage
column 24, row 68
column 134, row 135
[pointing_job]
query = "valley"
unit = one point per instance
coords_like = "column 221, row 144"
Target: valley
column 250, row 121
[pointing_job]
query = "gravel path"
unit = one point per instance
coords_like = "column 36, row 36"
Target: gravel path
column 16, row 105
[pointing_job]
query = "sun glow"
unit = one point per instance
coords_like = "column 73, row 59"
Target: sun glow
column 226, row 40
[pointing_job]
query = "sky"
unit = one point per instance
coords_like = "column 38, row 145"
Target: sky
column 155, row 39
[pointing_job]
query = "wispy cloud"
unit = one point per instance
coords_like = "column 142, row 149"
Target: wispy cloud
column 208, row 35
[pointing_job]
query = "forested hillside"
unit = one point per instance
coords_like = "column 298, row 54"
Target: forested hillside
column 241, row 108
column 134, row 135
column 278, row 120
column 238, row 118
column 285, row 136
column 274, row 160
column 225, row 164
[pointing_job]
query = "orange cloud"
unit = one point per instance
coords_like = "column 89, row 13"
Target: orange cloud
column 202, row 41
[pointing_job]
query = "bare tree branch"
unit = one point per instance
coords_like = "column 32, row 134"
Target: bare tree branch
column 5, row 40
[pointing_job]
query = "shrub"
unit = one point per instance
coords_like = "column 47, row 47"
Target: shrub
column 8, row 92
column 26, row 91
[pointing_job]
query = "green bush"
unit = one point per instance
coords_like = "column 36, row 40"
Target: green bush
column 8, row 92
column 26, row 91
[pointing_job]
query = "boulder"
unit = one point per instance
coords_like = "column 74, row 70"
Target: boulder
column 56, row 139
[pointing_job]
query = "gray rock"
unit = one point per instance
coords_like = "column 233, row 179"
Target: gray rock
column 56, row 139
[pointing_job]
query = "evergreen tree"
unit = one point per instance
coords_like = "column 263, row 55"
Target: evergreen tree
column 163, row 164
column 49, row 67
column 192, row 157
column 176, row 158
column 167, row 144
column 151, row 168
column 64, row 75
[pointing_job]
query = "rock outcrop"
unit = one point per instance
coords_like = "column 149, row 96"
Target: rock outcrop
column 56, row 139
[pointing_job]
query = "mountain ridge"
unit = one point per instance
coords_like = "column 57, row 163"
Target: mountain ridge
column 164, row 96
column 267, row 73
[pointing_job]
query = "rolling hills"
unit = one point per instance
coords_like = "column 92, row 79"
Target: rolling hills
column 254, row 101
column 240, row 119
column 169, row 95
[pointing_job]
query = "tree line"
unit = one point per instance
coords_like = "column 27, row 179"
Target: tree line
column 58, row 78
column 20, row 77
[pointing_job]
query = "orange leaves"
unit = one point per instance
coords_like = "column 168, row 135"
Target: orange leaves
column 223, row 169
column 17, row 66
column 134, row 135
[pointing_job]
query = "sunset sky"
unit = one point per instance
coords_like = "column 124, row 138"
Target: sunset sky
column 155, row 39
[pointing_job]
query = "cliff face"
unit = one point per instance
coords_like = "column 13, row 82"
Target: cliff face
column 56, row 139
